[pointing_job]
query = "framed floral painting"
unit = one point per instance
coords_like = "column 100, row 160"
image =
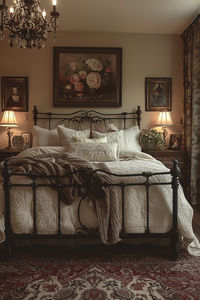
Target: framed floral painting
column 87, row 76
column 158, row 94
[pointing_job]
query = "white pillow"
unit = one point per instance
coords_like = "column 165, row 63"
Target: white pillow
column 45, row 137
column 68, row 135
column 131, row 139
column 112, row 127
column 92, row 141
column 127, row 139
column 112, row 137
column 99, row 152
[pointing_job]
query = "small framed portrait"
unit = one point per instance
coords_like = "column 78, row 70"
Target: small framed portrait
column 175, row 141
column 158, row 94
column 14, row 93
column 27, row 139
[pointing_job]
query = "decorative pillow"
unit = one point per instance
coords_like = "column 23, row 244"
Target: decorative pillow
column 112, row 127
column 112, row 137
column 99, row 152
column 128, row 139
column 68, row 135
column 102, row 127
column 45, row 137
column 131, row 139
column 91, row 141
column 98, row 126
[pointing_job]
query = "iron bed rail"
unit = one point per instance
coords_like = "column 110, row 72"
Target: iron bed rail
column 8, row 185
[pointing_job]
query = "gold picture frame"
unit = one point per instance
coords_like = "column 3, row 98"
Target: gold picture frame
column 87, row 76
column 14, row 93
column 158, row 94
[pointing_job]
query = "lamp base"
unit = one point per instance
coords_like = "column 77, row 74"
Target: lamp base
column 8, row 148
column 165, row 132
column 10, row 134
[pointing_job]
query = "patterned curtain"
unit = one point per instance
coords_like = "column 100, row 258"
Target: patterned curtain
column 191, row 42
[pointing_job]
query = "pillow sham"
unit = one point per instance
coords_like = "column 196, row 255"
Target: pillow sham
column 102, row 127
column 68, row 135
column 112, row 137
column 99, row 152
column 112, row 127
column 45, row 137
column 131, row 139
column 127, row 139
column 92, row 141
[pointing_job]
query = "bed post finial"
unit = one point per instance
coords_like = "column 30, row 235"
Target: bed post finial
column 138, row 112
column 35, row 113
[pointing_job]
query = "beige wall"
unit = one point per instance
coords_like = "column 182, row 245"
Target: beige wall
column 144, row 55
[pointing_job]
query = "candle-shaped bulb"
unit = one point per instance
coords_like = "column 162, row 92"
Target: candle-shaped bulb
column 44, row 13
column 54, row 2
column 11, row 9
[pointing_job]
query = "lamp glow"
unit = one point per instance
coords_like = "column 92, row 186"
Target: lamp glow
column 164, row 120
column 11, row 9
column 9, row 120
column 44, row 13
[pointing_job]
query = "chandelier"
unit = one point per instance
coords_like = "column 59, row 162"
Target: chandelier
column 27, row 23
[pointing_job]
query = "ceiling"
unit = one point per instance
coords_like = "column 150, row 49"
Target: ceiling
column 130, row 16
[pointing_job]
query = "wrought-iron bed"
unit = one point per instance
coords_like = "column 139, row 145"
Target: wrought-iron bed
column 90, row 116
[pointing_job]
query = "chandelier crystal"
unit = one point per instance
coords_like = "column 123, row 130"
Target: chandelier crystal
column 27, row 23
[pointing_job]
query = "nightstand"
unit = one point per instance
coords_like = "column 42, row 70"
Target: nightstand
column 166, row 157
column 6, row 153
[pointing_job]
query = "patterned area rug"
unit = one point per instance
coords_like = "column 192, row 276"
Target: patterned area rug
column 99, row 273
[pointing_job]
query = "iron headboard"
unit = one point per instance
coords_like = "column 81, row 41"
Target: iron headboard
column 87, row 115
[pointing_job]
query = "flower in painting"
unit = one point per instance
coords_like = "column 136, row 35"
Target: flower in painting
column 73, row 65
column 94, row 80
column 82, row 75
column 74, row 78
column 79, row 87
column 86, row 78
column 108, row 70
column 94, row 64
column 68, row 87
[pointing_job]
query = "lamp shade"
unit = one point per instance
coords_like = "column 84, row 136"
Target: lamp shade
column 164, row 119
column 9, row 119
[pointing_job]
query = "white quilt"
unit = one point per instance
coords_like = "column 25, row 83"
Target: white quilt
column 135, row 207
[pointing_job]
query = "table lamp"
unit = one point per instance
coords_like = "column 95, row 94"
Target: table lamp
column 164, row 120
column 9, row 121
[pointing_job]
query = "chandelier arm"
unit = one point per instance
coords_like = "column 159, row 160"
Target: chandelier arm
column 27, row 23
column 3, row 9
column 2, row 18
column 39, row 29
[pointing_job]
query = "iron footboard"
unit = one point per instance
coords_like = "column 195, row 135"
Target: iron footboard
column 147, row 183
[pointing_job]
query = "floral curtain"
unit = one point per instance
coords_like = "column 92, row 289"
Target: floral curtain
column 191, row 42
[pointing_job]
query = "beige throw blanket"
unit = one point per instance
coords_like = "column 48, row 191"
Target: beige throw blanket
column 78, row 171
